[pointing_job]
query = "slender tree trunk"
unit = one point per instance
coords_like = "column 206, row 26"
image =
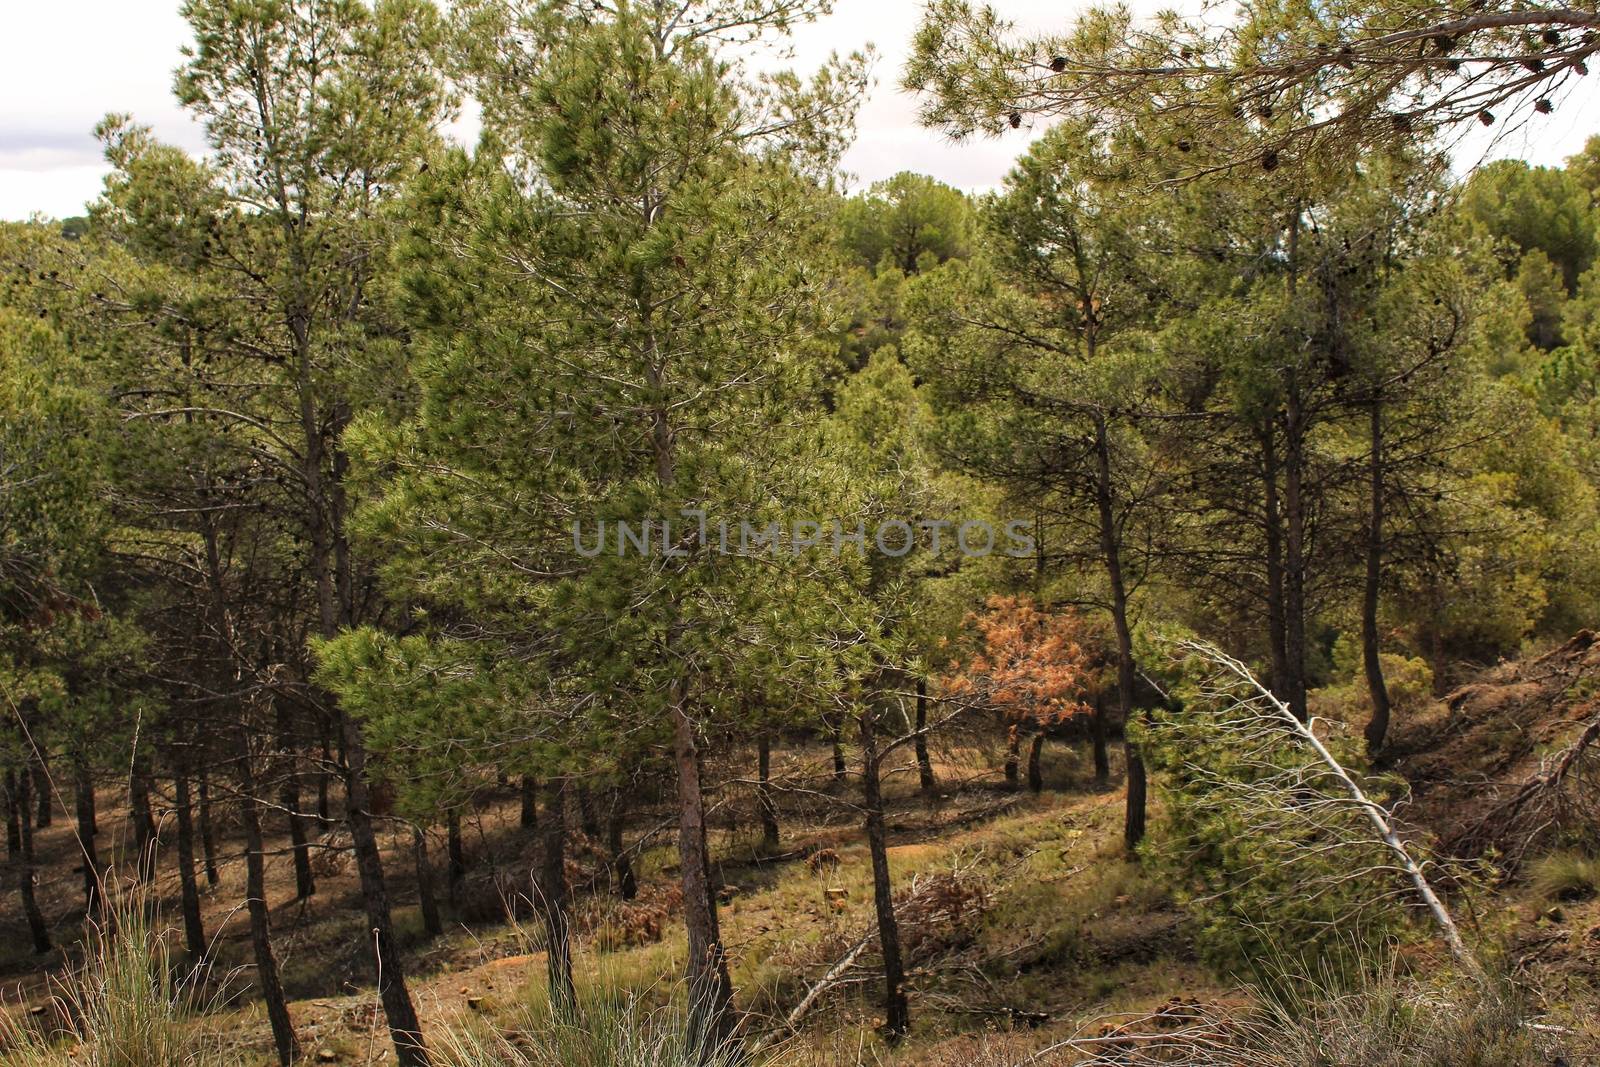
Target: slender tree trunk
column 283, row 1035
column 455, row 856
column 1111, row 552
column 19, row 785
column 194, row 932
column 324, row 809
column 41, row 789
column 553, row 896
column 1013, row 757
column 1097, row 739
column 1378, row 726
column 305, row 883
column 925, row 778
column 430, row 906
column 764, row 801
column 88, row 830
column 529, row 817
column 710, row 987
column 1272, row 529
column 144, row 824
column 588, row 817
column 13, row 818
column 839, row 766
column 1294, row 558
column 896, row 1013
column 621, row 866
column 1035, row 767
column 208, row 837
column 398, row 1010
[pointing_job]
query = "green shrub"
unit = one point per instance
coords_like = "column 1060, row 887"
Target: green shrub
column 1261, row 845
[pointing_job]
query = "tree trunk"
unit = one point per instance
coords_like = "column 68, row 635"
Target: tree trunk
column 529, row 817
column 41, row 789
column 896, row 1013
column 1294, row 557
column 208, row 837
column 710, row 988
column 455, row 856
column 13, row 817
column 1272, row 530
column 839, row 767
column 194, row 933
column 19, row 787
column 1378, row 726
column 88, row 830
column 1013, row 757
column 1035, row 768
column 305, row 883
column 1097, row 739
column 1111, row 552
column 144, row 824
column 324, row 808
column 588, row 817
column 398, row 1010
column 627, row 884
column 925, row 778
column 764, row 801
column 430, row 906
column 283, row 1035
column 553, row 897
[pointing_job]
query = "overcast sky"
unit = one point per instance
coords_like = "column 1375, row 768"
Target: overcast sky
column 65, row 63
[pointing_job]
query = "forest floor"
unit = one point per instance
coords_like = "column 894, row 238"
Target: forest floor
column 1023, row 922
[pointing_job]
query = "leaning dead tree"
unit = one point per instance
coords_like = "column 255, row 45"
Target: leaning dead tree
column 1285, row 785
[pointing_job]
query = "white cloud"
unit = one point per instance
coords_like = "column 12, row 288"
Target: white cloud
column 66, row 63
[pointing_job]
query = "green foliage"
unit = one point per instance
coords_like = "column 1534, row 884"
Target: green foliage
column 1543, row 209
column 1262, row 844
column 908, row 223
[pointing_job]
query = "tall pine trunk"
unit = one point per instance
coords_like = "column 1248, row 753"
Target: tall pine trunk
column 1035, row 763
column 1272, row 530
column 1097, row 740
column 1134, row 814
column 425, row 898
column 455, row 856
column 401, row 1014
column 208, row 837
column 1294, row 547
column 1377, row 729
column 42, row 791
column 194, row 933
column 710, row 988
column 88, row 831
column 1013, row 769
column 19, row 785
column 626, row 884
column 305, row 883
column 144, row 825
column 896, row 1013
column 553, row 897
column 13, row 817
column 925, row 778
column 528, row 818
column 283, row 1035
column 764, row 802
